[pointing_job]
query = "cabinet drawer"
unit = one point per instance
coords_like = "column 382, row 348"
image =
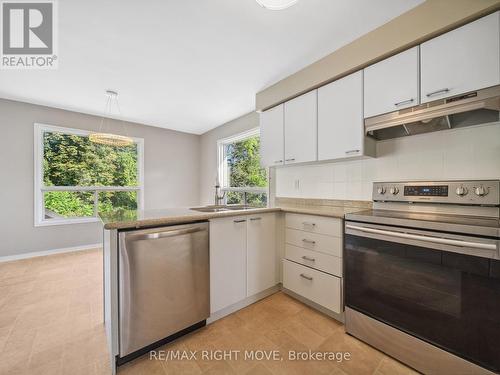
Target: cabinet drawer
column 314, row 285
column 314, row 259
column 314, row 241
column 315, row 224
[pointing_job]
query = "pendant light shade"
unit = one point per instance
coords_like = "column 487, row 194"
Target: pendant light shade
column 109, row 139
column 276, row 4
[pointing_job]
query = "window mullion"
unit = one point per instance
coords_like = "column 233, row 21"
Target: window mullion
column 96, row 202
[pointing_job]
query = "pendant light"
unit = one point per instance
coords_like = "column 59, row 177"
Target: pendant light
column 109, row 139
column 276, row 4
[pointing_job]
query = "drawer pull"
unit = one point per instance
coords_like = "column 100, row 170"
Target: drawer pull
column 278, row 161
column 308, row 258
column 255, row 218
column 350, row 152
column 306, row 277
column 308, row 241
column 240, row 221
column 442, row 91
column 291, row 159
column 309, row 224
column 404, row 102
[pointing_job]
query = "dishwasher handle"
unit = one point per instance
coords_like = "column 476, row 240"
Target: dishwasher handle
column 169, row 233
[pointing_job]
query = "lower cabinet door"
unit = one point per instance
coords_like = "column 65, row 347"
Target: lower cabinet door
column 317, row 286
column 228, row 263
column 261, row 253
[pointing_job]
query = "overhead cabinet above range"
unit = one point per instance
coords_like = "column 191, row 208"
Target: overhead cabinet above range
column 462, row 60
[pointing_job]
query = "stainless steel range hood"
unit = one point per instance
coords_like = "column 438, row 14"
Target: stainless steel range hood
column 473, row 108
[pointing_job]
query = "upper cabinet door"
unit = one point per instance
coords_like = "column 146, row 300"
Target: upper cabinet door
column 301, row 128
column 392, row 84
column 340, row 118
column 462, row 60
column 271, row 137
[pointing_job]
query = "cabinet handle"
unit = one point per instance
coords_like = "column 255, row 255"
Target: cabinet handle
column 278, row 161
column 352, row 152
column 306, row 277
column 308, row 241
column 442, row 91
column 404, row 102
column 308, row 223
column 309, row 259
column 255, row 218
column 292, row 159
column 240, row 221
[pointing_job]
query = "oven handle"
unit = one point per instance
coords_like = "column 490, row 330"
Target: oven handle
column 445, row 241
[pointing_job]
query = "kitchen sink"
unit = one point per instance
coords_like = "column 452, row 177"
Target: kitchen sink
column 239, row 207
column 210, row 209
column 222, row 208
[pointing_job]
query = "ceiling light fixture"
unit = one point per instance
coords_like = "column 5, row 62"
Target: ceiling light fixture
column 109, row 139
column 276, row 4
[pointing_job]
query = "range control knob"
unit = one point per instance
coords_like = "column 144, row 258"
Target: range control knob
column 481, row 191
column 461, row 191
column 381, row 190
column 394, row 190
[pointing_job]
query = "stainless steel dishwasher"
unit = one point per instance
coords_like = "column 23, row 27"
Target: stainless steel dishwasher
column 163, row 285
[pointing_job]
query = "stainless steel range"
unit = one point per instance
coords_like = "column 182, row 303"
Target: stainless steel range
column 422, row 274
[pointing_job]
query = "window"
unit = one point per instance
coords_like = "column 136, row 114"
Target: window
column 75, row 178
column 240, row 174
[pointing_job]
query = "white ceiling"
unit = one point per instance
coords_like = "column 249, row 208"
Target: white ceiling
column 188, row 65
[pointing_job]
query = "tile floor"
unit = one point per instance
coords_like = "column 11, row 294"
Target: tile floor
column 51, row 323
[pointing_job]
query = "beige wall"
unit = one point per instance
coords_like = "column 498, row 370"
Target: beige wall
column 431, row 18
column 208, row 151
column 171, row 175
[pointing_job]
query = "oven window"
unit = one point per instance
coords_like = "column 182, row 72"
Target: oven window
column 450, row 300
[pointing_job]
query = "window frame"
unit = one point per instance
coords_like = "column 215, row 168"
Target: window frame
column 40, row 188
column 222, row 167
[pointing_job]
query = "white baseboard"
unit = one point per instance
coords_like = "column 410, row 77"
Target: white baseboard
column 34, row 254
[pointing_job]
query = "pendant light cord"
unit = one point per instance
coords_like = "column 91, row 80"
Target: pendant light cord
column 107, row 111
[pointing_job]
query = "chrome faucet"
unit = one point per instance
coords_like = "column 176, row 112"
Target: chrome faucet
column 219, row 199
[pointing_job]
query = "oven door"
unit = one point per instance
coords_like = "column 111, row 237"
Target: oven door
column 441, row 288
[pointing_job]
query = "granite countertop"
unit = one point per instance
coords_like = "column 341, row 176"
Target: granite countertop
column 127, row 219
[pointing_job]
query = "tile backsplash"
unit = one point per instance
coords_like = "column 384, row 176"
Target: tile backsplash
column 466, row 153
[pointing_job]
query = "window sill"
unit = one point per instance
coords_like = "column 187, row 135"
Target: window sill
column 48, row 223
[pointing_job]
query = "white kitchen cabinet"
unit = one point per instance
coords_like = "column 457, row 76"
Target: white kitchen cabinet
column 462, row 60
column 301, row 129
column 340, row 119
column 392, row 84
column 228, row 263
column 261, row 253
column 316, row 286
column 312, row 267
column 315, row 224
column 242, row 258
column 272, row 137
